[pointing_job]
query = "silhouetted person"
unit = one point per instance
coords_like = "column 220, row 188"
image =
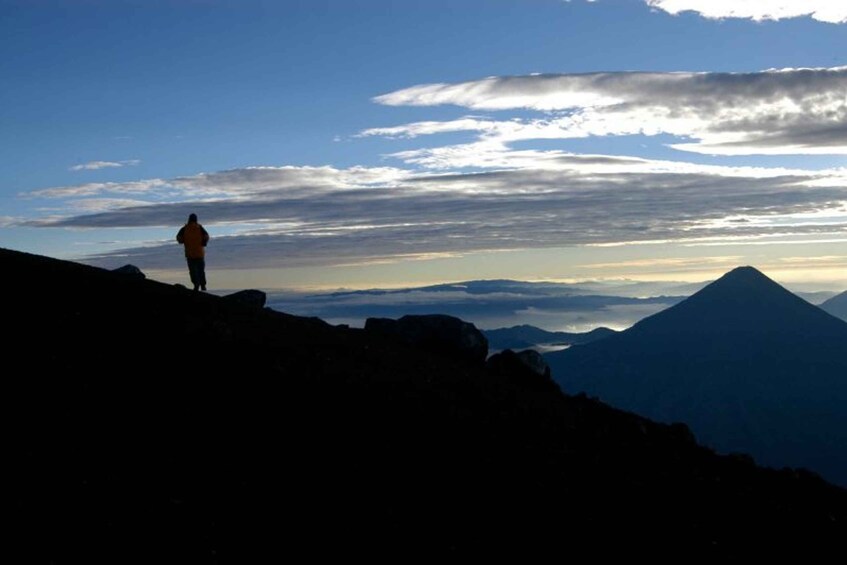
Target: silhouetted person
column 194, row 237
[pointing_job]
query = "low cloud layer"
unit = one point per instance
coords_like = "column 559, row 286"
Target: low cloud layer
column 787, row 111
column 488, row 304
column 831, row 11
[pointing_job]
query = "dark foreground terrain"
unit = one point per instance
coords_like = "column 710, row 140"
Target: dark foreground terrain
column 152, row 424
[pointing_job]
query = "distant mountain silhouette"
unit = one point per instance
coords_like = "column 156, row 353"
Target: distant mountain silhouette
column 837, row 306
column 527, row 336
column 749, row 366
column 490, row 303
column 148, row 423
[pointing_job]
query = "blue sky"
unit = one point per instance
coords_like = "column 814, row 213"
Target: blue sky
column 381, row 143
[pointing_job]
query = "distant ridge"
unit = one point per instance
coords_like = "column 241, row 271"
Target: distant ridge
column 837, row 306
column 527, row 336
column 748, row 365
column 491, row 303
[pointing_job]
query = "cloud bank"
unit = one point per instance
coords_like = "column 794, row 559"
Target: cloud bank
column 289, row 216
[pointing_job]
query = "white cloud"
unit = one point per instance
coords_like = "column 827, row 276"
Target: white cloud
column 96, row 165
column 495, row 155
column 832, row 11
column 787, row 111
column 537, row 92
column 428, row 128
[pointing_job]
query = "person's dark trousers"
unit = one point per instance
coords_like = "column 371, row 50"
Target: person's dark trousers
column 197, row 272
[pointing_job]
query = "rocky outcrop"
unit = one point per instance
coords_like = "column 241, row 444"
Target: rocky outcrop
column 528, row 359
column 130, row 271
column 535, row 361
column 438, row 333
column 254, row 299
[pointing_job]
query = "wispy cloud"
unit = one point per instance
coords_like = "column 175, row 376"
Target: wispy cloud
column 248, row 181
column 416, row 129
column 832, row 11
column 787, row 111
column 95, row 205
column 725, row 261
column 93, row 188
column 97, row 165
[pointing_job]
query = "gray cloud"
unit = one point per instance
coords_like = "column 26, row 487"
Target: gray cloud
column 95, row 188
column 773, row 111
column 461, row 213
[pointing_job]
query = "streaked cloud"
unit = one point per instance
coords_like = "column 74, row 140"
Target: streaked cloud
column 726, row 261
column 248, row 181
column 469, row 123
column 94, row 205
column 281, row 217
column 97, row 165
column 94, row 188
column 831, row 11
column 780, row 111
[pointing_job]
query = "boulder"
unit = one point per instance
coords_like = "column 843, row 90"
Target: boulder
column 435, row 332
column 525, row 369
column 528, row 360
column 254, row 299
column 535, row 362
column 130, row 271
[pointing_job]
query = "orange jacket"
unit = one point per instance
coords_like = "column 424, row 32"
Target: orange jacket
column 194, row 237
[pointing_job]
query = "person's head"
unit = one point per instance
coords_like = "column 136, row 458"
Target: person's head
column 192, row 218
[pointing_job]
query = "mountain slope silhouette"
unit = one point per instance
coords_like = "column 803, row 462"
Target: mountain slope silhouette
column 748, row 365
column 150, row 424
column 837, row 306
